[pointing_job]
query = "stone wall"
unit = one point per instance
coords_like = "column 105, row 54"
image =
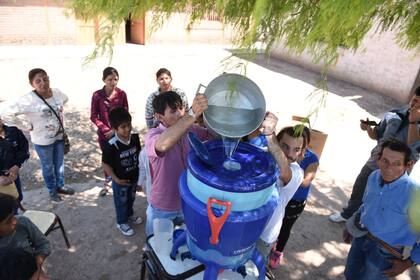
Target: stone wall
column 379, row 64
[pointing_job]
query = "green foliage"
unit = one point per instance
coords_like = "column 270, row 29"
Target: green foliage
column 319, row 26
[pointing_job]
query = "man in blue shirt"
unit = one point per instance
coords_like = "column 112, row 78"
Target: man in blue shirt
column 384, row 244
column 402, row 124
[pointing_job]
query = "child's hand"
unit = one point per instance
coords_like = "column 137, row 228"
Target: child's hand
column 42, row 275
column 5, row 180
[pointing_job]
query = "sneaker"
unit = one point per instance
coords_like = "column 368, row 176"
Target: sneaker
column 125, row 229
column 135, row 220
column 55, row 198
column 275, row 258
column 65, row 190
column 337, row 218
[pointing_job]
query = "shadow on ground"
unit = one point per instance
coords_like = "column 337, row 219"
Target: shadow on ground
column 82, row 163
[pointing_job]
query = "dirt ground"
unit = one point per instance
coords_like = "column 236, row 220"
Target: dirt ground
column 315, row 249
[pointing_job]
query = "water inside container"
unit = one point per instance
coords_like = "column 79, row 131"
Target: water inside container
column 232, row 122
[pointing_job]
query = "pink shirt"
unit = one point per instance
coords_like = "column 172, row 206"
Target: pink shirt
column 166, row 168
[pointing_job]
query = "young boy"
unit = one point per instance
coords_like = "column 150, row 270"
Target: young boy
column 17, row 264
column 19, row 232
column 120, row 159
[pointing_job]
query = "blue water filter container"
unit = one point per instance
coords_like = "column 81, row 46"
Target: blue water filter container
column 226, row 211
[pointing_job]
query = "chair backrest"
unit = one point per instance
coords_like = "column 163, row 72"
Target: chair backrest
column 42, row 219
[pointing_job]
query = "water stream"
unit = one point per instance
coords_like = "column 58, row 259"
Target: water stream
column 230, row 145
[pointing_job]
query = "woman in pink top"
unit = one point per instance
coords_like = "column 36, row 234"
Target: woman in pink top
column 103, row 101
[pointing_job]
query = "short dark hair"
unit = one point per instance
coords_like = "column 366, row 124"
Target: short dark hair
column 32, row 73
column 109, row 71
column 396, row 146
column 307, row 136
column 17, row 264
column 163, row 71
column 295, row 132
column 417, row 91
column 164, row 99
column 8, row 205
column 118, row 116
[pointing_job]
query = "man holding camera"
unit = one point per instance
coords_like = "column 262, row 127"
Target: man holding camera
column 401, row 124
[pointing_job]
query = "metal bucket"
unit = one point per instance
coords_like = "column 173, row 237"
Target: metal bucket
column 236, row 106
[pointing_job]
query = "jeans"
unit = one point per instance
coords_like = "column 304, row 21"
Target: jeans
column 124, row 197
column 264, row 249
column 153, row 213
column 366, row 260
column 357, row 193
column 52, row 164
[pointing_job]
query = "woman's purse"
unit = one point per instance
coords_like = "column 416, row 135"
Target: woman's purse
column 65, row 136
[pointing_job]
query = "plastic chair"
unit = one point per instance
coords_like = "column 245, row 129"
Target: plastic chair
column 47, row 222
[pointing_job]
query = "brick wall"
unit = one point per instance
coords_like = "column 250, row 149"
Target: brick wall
column 35, row 22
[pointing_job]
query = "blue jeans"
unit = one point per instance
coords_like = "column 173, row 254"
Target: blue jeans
column 154, row 213
column 367, row 260
column 124, row 197
column 52, row 164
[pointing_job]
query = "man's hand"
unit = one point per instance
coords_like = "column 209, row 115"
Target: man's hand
column 414, row 115
column 367, row 124
column 200, row 104
column 269, row 124
column 5, row 180
column 347, row 237
column 124, row 182
column 13, row 172
column 398, row 267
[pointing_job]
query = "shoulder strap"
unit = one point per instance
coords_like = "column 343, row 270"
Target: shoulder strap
column 49, row 106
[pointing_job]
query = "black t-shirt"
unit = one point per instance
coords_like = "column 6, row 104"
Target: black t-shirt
column 123, row 159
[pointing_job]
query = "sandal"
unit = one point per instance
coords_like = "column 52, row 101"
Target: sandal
column 104, row 191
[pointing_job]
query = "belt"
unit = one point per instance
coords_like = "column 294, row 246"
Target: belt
column 386, row 246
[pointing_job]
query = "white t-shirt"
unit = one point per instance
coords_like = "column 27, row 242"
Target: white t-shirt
column 44, row 126
column 145, row 178
column 273, row 227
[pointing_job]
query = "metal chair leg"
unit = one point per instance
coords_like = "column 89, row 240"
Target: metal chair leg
column 63, row 231
column 20, row 205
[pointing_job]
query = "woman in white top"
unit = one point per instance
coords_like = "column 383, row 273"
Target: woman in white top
column 45, row 129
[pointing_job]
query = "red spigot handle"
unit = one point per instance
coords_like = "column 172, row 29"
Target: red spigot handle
column 216, row 223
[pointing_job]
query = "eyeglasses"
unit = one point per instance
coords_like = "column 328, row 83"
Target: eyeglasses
column 386, row 162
